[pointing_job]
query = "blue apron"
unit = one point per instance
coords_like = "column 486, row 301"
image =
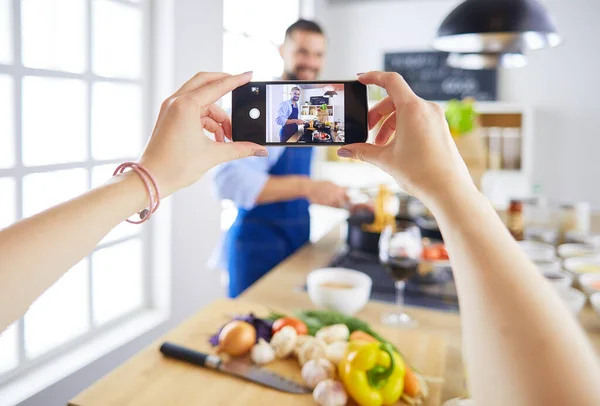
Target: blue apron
column 287, row 131
column 264, row 236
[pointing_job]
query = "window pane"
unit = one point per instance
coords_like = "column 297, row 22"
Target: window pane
column 116, row 120
column 44, row 190
column 60, row 314
column 54, row 34
column 267, row 19
column 7, row 112
column 117, row 281
column 54, row 121
column 100, row 174
column 117, row 40
column 7, row 202
column 6, row 38
column 9, row 356
column 241, row 54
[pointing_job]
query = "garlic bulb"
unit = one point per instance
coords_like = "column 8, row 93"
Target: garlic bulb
column 262, row 353
column 330, row 393
column 303, row 339
column 336, row 351
column 312, row 349
column 284, row 341
column 336, row 332
column 317, row 370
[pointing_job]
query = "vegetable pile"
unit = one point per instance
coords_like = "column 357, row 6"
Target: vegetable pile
column 340, row 357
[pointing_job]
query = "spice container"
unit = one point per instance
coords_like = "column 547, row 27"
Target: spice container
column 511, row 148
column 495, row 148
column 568, row 220
column 514, row 220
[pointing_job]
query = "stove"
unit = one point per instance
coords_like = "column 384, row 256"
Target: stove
column 434, row 291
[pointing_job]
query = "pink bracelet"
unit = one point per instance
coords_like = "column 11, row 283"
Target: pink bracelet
column 149, row 182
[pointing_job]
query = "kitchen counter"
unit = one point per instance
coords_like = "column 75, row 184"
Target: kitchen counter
column 280, row 289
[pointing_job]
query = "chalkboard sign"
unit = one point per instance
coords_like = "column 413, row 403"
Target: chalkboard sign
column 431, row 78
column 318, row 100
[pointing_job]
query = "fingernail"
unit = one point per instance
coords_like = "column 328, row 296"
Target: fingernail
column 361, row 73
column 250, row 71
column 344, row 153
column 261, row 153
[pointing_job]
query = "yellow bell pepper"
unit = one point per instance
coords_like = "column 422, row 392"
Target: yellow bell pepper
column 373, row 373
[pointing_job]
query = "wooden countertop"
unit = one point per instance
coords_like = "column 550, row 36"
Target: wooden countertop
column 137, row 381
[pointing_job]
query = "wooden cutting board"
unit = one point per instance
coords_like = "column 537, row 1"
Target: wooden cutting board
column 150, row 379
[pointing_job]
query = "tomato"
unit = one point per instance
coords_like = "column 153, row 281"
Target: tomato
column 298, row 325
column 435, row 252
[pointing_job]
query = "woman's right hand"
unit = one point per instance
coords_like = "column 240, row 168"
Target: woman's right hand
column 178, row 153
column 422, row 156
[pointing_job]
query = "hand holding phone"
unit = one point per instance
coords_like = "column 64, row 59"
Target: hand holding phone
column 297, row 113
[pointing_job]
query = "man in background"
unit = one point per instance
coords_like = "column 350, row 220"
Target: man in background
column 287, row 116
column 273, row 194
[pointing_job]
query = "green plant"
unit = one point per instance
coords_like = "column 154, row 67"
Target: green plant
column 323, row 107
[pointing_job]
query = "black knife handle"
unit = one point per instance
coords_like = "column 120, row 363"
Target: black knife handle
column 193, row 357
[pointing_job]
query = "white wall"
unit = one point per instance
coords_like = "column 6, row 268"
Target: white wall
column 561, row 84
column 195, row 212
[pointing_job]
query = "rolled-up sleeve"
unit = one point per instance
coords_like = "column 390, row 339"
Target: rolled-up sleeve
column 283, row 113
column 243, row 180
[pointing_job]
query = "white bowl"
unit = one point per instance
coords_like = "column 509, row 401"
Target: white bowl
column 595, row 300
column 559, row 279
column 553, row 265
column 345, row 300
column 574, row 264
column 538, row 251
column 577, row 250
column 586, row 281
column 573, row 298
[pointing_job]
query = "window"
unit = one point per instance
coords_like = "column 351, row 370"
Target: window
column 253, row 32
column 74, row 92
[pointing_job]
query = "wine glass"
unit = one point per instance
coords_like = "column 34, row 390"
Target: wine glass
column 400, row 249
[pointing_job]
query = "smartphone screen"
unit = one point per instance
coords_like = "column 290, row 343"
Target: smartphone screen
column 297, row 113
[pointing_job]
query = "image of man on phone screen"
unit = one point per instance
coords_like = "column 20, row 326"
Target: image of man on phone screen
column 287, row 116
column 273, row 194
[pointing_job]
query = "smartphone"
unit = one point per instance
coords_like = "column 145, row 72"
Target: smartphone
column 300, row 113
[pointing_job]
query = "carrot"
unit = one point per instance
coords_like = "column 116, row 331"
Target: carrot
column 362, row 336
column 412, row 387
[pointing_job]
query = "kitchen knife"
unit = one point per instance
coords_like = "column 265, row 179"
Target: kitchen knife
column 236, row 368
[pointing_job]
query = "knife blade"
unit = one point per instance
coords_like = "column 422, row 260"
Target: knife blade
column 235, row 368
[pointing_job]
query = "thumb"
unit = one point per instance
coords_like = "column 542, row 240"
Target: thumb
column 230, row 151
column 364, row 152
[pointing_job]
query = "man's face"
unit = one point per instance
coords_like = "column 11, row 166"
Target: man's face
column 303, row 55
column 295, row 95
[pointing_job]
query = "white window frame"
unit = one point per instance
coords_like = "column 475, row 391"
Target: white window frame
column 34, row 375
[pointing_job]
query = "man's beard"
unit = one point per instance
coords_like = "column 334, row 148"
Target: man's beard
column 294, row 75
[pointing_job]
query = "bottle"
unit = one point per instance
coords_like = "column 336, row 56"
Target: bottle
column 514, row 220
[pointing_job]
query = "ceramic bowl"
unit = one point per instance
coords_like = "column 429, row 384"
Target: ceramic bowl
column 573, row 298
column 595, row 300
column 559, row 279
column 590, row 283
column 580, row 265
column 344, row 290
column 538, row 251
column 566, row 251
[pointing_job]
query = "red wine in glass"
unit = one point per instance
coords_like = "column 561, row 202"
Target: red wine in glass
column 401, row 268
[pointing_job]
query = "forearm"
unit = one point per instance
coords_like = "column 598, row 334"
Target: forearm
column 290, row 122
column 522, row 346
column 37, row 251
column 283, row 188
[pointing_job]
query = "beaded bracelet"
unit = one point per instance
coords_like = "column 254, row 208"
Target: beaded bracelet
column 151, row 188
